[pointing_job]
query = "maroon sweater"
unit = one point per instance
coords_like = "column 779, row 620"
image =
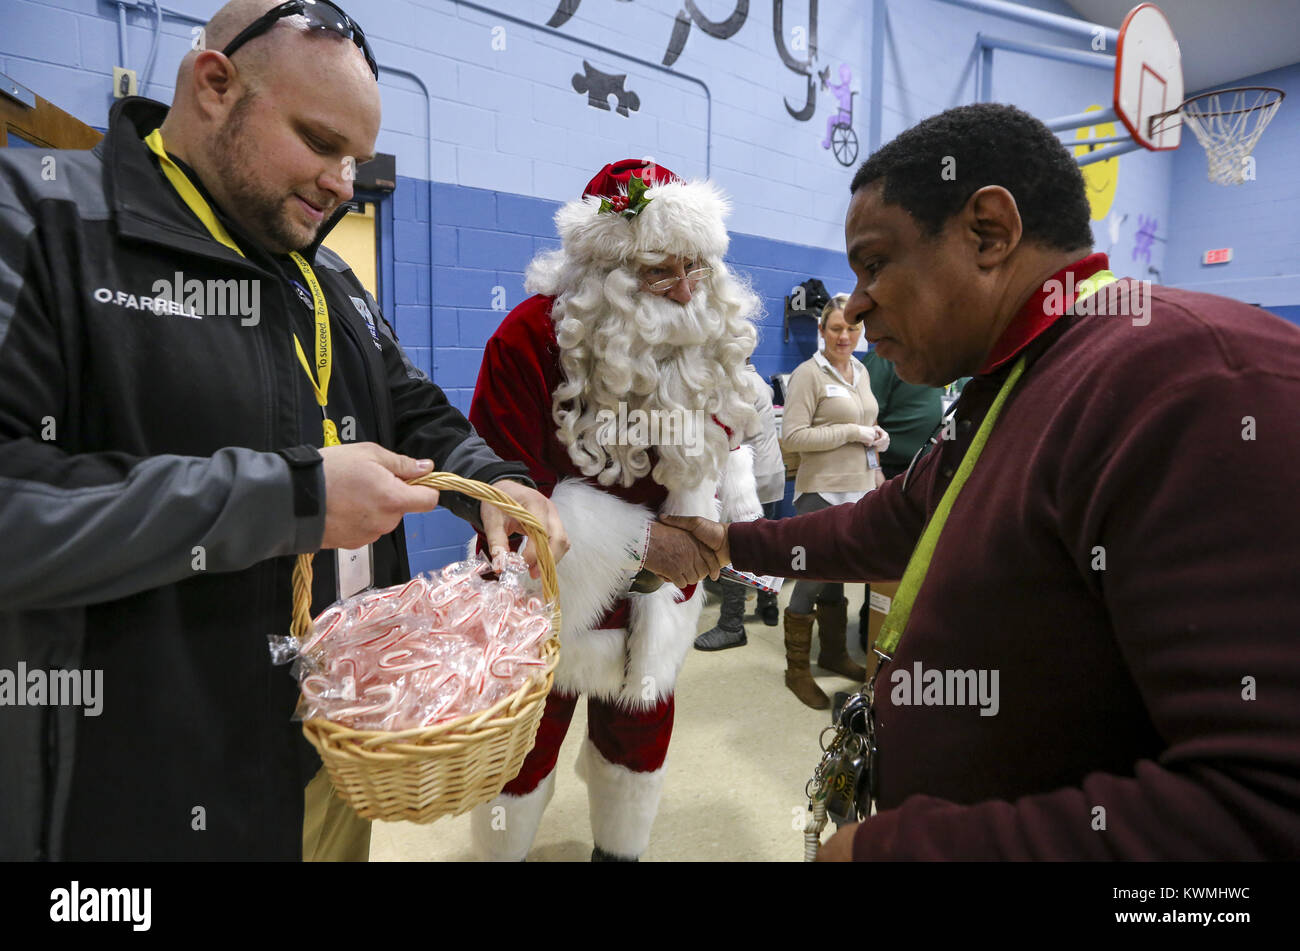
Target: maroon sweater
column 1174, row 448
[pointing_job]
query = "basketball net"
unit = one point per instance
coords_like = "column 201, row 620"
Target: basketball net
column 1228, row 124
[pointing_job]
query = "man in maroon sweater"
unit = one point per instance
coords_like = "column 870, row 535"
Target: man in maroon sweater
column 1119, row 572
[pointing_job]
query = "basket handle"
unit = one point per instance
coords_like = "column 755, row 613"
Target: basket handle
column 449, row 482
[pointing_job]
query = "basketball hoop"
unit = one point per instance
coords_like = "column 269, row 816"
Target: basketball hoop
column 1228, row 123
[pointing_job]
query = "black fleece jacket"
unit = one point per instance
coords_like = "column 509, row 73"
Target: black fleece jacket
column 148, row 517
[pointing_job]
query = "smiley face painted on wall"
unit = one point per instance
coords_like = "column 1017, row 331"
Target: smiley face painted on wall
column 1101, row 177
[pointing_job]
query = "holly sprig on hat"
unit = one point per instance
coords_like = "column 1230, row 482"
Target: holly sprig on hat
column 629, row 205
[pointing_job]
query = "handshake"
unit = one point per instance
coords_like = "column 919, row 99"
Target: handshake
column 685, row 548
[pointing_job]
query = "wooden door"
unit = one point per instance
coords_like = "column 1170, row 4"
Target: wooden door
column 28, row 120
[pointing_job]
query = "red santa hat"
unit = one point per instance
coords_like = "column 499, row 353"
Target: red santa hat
column 617, row 219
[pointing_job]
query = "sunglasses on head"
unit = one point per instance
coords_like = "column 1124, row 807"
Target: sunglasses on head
column 320, row 14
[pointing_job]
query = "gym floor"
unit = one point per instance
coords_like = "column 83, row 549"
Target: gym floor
column 743, row 749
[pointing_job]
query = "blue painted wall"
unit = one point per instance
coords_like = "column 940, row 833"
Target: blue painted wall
column 490, row 135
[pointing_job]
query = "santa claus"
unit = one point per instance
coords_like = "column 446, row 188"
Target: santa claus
column 622, row 386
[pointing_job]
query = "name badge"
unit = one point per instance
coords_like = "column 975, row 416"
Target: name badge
column 356, row 570
column 834, row 389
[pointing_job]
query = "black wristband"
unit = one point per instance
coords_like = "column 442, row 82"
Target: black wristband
column 304, row 469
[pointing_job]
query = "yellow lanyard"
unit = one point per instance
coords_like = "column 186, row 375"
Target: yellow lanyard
column 320, row 378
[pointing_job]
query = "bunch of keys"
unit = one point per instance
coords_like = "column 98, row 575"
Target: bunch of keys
column 842, row 787
column 849, row 788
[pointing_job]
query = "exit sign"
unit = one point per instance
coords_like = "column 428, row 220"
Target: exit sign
column 1217, row 256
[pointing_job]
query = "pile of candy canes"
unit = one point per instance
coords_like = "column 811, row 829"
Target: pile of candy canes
column 441, row 646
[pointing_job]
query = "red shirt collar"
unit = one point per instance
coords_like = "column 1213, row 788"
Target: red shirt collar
column 1042, row 309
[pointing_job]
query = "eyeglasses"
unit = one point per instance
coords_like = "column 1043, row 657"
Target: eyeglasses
column 695, row 275
column 320, row 14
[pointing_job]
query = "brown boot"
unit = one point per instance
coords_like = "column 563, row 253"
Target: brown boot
column 798, row 644
column 832, row 623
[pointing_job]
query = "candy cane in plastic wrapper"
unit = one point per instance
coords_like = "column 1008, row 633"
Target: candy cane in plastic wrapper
column 440, row 646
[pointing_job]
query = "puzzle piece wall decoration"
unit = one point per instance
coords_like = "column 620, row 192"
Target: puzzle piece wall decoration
column 599, row 86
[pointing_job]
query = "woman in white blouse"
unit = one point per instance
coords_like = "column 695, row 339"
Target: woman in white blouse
column 830, row 421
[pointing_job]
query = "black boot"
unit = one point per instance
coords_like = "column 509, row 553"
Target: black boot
column 768, row 611
column 730, row 629
column 600, row 855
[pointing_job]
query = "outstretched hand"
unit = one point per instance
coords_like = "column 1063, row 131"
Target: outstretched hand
column 710, row 535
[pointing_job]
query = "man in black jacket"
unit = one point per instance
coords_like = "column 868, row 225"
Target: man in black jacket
column 159, row 429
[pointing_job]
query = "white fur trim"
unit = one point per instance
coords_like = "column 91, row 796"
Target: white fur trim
column 682, row 218
column 623, row 803
column 636, row 667
column 662, row 630
column 516, row 819
column 600, row 527
column 662, row 633
column 739, row 492
column 591, row 661
column 701, row 500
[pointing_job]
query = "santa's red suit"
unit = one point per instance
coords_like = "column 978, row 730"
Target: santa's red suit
column 623, row 652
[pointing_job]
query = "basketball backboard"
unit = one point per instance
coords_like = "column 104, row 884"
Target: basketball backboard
column 1148, row 77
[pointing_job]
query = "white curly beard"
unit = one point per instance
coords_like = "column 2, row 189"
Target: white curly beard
column 682, row 365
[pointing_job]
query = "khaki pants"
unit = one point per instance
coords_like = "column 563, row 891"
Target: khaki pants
column 331, row 831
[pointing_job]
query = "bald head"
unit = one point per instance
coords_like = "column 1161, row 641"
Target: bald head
column 276, row 129
column 280, row 48
column 230, row 21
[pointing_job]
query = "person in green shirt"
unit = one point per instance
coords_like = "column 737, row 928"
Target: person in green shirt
column 913, row 412
column 910, row 413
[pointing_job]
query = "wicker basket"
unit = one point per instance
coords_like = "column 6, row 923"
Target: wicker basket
column 422, row 774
